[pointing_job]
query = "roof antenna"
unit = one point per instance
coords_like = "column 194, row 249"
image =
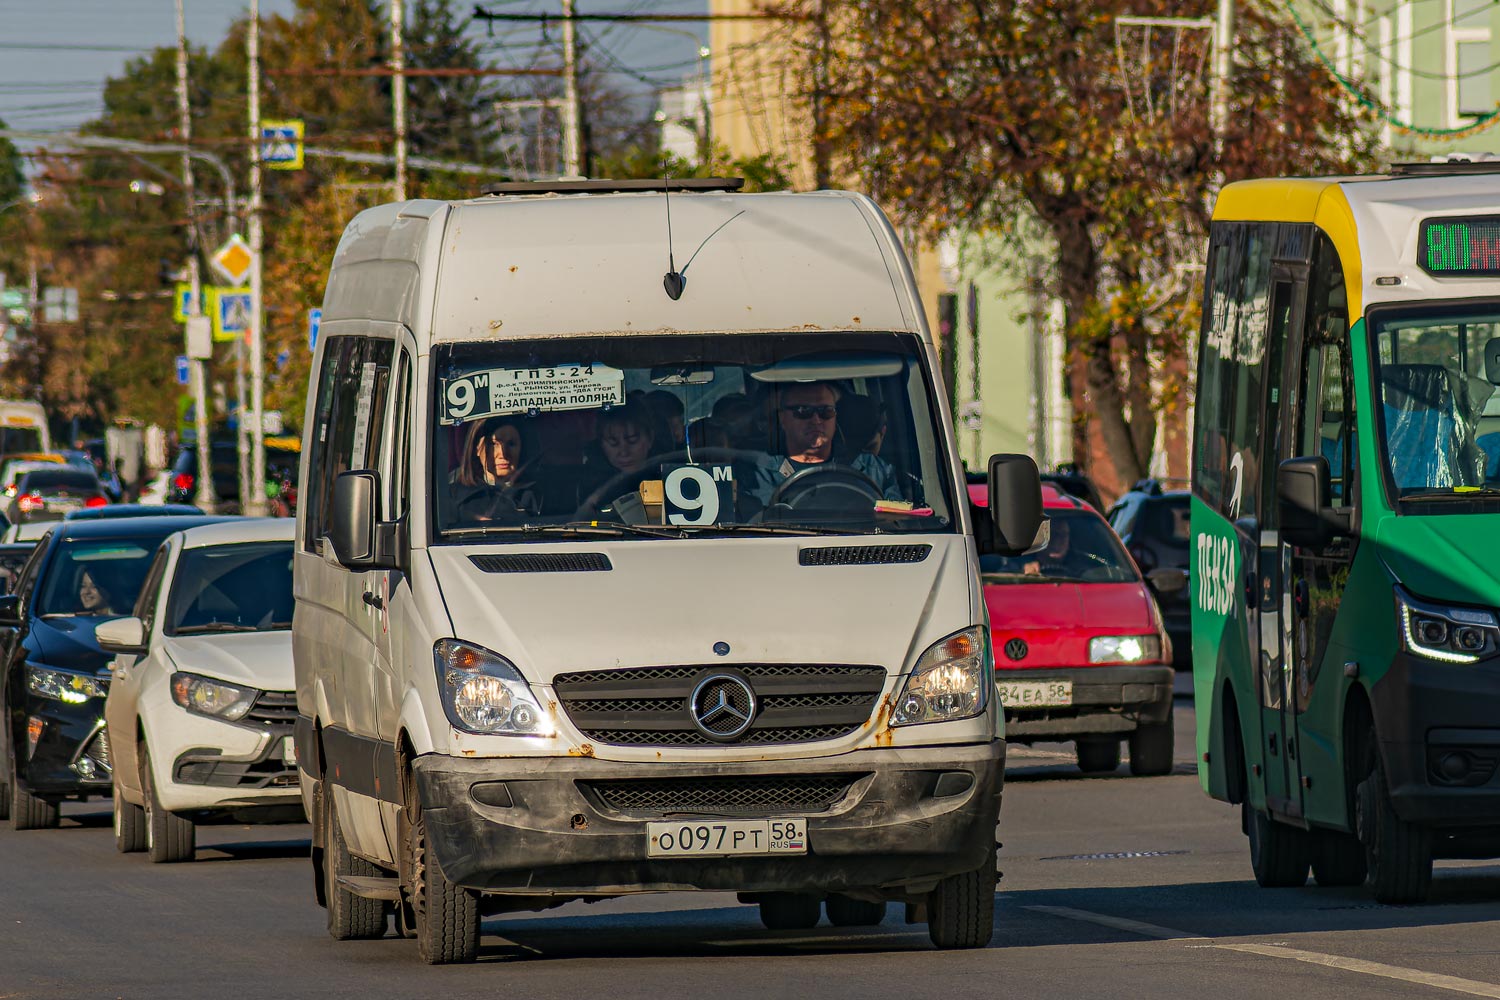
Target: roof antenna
column 673, row 281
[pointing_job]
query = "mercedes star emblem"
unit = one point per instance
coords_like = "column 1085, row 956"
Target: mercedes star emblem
column 722, row 706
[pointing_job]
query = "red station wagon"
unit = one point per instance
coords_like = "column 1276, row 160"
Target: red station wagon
column 1080, row 650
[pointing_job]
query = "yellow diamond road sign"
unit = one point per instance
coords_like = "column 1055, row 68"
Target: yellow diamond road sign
column 233, row 260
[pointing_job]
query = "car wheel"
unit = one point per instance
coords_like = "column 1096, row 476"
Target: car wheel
column 27, row 811
column 790, row 911
column 1279, row 854
column 350, row 917
column 1398, row 855
column 446, row 916
column 1337, row 858
column 130, row 824
column 961, row 910
column 1098, row 756
column 846, row 912
column 169, row 837
column 1151, row 750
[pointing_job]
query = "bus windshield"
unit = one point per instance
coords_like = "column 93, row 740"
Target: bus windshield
column 1440, row 415
column 669, row 436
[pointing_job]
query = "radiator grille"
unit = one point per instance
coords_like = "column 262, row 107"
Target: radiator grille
column 273, row 708
column 759, row 795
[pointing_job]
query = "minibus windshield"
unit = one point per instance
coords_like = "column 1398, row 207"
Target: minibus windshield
column 687, row 435
column 1440, row 414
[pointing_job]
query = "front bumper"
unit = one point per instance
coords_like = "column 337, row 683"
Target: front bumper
column 1106, row 701
column 70, row 735
column 908, row 818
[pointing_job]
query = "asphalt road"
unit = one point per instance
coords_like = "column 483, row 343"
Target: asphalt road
column 1114, row 887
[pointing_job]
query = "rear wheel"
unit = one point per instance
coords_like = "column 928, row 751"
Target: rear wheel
column 1337, row 858
column 350, row 917
column 961, row 910
column 1398, row 855
column 846, row 912
column 446, row 916
column 1151, row 749
column 1098, row 756
column 789, row 911
column 130, row 825
column 1279, row 854
column 169, row 837
column 27, row 811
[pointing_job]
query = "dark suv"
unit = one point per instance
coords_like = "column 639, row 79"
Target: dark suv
column 224, row 467
column 1152, row 521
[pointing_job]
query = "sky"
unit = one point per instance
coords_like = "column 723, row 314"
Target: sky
column 56, row 54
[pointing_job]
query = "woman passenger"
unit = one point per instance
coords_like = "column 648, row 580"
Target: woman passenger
column 491, row 484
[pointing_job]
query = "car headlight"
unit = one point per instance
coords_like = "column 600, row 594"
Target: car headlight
column 1125, row 649
column 1445, row 633
column 952, row 680
column 63, row 685
column 206, row 696
column 483, row 692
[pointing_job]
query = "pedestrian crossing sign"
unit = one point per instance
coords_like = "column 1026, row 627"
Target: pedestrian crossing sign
column 281, row 144
column 230, row 310
column 182, row 302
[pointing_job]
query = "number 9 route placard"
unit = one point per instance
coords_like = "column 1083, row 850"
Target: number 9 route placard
column 518, row 390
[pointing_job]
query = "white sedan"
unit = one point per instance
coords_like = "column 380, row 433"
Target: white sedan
column 201, row 702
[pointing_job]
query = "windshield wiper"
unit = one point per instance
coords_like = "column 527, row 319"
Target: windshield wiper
column 215, row 627
column 572, row 529
column 1449, row 493
column 777, row 529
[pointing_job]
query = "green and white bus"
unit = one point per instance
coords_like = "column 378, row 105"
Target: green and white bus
column 1346, row 522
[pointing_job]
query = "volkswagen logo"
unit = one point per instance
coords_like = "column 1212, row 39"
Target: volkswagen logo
column 722, row 706
column 1016, row 649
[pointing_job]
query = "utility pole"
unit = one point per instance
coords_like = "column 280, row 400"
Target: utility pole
column 204, row 494
column 255, row 503
column 572, row 162
column 398, row 92
column 1218, row 119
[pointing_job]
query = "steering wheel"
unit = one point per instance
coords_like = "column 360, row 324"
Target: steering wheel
column 589, row 508
column 826, row 486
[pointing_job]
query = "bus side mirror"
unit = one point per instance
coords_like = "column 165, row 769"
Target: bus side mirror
column 1015, row 500
column 1306, row 518
column 360, row 542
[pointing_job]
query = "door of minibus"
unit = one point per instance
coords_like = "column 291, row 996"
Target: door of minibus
column 1280, row 770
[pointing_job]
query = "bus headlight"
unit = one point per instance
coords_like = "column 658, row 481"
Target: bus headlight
column 952, row 680
column 1446, row 634
column 484, row 693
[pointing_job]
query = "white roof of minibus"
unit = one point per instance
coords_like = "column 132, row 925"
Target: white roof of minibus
column 514, row 266
column 1389, row 210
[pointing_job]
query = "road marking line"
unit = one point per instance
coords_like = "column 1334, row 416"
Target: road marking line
column 1453, row 983
column 1118, row 923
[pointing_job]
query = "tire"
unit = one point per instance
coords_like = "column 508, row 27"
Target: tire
column 350, row 917
column 846, row 912
column 961, row 910
column 130, row 825
column 27, row 811
column 1398, row 855
column 446, row 916
column 1151, row 750
column 1098, row 756
column 169, row 837
column 790, row 911
column 1338, row 859
column 1279, row 854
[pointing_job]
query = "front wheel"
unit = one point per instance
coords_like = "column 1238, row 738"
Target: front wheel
column 130, row 825
column 961, row 910
column 27, row 811
column 446, row 916
column 1279, row 854
column 1398, row 855
column 169, row 837
column 1151, row 749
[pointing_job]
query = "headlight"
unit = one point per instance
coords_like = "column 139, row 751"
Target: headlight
column 484, row 693
column 210, row 697
column 1446, row 634
column 1125, row 649
column 63, row 685
column 952, row 680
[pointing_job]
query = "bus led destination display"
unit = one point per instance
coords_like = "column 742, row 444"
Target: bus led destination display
column 1460, row 247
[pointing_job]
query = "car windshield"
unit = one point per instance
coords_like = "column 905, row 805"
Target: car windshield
column 669, row 436
column 1083, row 549
column 243, row 587
column 59, row 477
column 1166, row 520
column 1440, row 415
column 94, row 577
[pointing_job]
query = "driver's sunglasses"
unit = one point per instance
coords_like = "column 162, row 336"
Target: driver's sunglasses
column 807, row 411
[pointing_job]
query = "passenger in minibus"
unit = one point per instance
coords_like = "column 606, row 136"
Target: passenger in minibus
column 669, row 413
column 491, row 483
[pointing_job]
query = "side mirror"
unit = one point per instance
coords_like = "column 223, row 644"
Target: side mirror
column 121, row 635
column 10, row 610
column 1015, row 503
column 1167, row 580
column 359, row 541
column 1306, row 519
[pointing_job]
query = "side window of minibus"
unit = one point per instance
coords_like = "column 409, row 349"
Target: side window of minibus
column 316, row 491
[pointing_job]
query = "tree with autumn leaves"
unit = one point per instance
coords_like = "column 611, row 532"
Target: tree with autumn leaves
column 1055, row 122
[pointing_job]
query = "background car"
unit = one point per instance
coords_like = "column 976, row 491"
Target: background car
column 12, row 469
column 1066, row 478
column 48, row 492
column 1152, row 521
column 1079, row 649
column 55, row 674
column 201, row 700
column 224, row 467
column 133, row 510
